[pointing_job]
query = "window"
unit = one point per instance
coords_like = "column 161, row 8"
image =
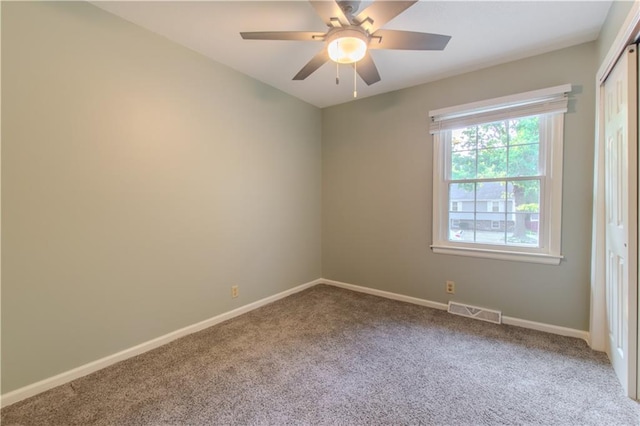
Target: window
column 503, row 159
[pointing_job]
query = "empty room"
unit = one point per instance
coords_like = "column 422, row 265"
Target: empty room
column 319, row 212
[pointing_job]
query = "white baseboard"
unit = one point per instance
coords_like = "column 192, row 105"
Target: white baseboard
column 387, row 294
column 548, row 328
column 66, row 377
column 62, row 378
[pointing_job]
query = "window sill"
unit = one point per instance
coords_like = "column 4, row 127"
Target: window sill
column 543, row 258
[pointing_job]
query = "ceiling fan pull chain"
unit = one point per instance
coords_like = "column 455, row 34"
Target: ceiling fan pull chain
column 337, row 73
column 355, row 80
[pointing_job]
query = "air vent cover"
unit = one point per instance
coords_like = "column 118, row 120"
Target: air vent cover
column 475, row 312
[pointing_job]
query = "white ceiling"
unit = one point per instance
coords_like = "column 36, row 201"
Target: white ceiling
column 483, row 34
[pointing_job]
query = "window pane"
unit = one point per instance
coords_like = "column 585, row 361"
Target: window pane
column 524, row 209
column 491, row 229
column 524, row 160
column 492, row 163
column 495, row 150
column 524, row 146
column 463, row 153
column 503, row 213
column 524, row 131
column 492, row 135
column 461, row 221
column 464, row 139
column 489, row 225
column 463, row 165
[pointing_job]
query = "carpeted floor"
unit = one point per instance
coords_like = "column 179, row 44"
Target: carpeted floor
column 332, row 356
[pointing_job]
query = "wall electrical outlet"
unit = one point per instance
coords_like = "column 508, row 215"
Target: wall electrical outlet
column 234, row 291
column 450, row 287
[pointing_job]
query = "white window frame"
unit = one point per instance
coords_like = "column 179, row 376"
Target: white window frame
column 551, row 103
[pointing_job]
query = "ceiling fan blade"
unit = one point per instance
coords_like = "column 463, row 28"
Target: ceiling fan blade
column 381, row 12
column 315, row 63
column 408, row 40
column 328, row 9
column 283, row 35
column 367, row 70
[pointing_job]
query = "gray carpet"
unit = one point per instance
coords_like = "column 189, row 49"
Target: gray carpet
column 332, row 356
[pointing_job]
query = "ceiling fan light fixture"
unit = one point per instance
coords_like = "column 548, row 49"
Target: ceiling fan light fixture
column 347, row 46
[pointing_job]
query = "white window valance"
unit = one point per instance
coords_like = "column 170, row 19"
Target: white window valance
column 544, row 101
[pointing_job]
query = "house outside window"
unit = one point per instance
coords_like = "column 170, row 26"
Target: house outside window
column 498, row 164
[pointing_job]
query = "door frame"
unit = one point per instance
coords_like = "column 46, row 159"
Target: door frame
column 628, row 34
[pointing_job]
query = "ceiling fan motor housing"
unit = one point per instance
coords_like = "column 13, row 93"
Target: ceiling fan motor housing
column 349, row 7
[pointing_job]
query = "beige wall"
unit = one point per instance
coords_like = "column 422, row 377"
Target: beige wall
column 139, row 182
column 377, row 205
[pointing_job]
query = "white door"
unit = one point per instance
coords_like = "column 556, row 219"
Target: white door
column 620, row 129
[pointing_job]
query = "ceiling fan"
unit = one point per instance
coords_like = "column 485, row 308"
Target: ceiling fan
column 351, row 35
